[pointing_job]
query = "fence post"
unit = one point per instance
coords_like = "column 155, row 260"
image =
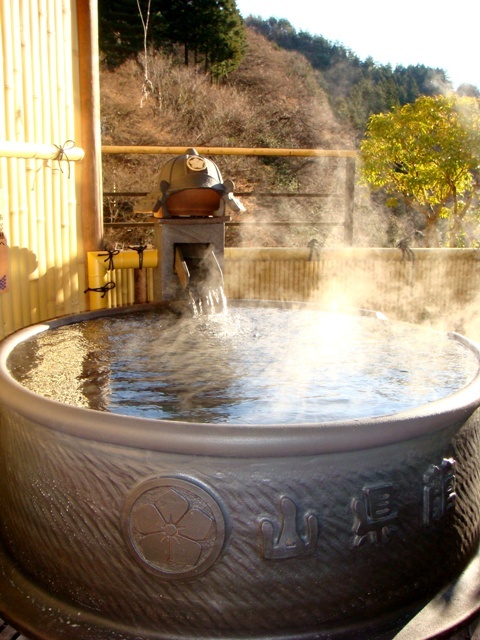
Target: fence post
column 91, row 177
column 349, row 199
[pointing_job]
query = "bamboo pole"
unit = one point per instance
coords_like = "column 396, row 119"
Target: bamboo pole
column 30, row 134
column 58, row 63
column 23, row 239
column 6, row 311
column 47, row 134
column 73, row 249
column 81, row 207
column 63, row 45
column 150, row 285
column 230, row 151
column 37, row 185
column 115, row 291
column 130, row 290
column 54, row 51
column 11, row 123
column 28, row 150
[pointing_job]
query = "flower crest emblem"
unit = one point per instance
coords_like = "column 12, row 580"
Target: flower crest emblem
column 174, row 527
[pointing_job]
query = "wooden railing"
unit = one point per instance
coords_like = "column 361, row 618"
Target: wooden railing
column 348, row 195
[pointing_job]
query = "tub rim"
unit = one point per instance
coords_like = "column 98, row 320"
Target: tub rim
column 226, row 440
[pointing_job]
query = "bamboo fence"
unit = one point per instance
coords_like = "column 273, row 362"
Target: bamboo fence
column 430, row 285
column 439, row 288
column 39, row 175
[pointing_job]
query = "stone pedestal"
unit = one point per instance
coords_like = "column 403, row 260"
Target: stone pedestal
column 170, row 232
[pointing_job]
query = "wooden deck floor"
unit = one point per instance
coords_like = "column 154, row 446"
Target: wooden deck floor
column 9, row 633
column 472, row 632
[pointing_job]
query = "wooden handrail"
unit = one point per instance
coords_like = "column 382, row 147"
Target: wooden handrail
column 28, row 150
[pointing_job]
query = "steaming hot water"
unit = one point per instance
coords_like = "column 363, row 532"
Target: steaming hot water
column 247, row 365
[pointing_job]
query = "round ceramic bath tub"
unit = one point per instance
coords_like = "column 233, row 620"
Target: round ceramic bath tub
column 116, row 526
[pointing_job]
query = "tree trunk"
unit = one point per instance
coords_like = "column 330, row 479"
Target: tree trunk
column 456, row 227
column 431, row 235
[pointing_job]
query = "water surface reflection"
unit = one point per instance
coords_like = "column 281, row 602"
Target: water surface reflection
column 248, row 365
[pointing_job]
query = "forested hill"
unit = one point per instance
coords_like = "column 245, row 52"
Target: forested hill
column 356, row 88
column 211, row 36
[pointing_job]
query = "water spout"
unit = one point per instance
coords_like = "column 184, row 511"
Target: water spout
column 200, row 274
column 189, row 206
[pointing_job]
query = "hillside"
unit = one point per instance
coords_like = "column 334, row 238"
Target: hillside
column 357, row 88
column 274, row 99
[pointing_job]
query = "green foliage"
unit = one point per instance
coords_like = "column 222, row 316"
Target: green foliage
column 212, row 30
column 427, row 152
column 211, row 33
column 120, row 30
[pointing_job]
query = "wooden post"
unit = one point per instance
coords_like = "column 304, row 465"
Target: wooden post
column 349, row 199
column 140, row 279
column 89, row 83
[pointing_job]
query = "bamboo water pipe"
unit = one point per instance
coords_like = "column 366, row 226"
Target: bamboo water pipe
column 101, row 262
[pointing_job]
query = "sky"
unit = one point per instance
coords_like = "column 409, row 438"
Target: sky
column 410, row 32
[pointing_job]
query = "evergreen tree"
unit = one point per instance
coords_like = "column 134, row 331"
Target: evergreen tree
column 209, row 31
column 224, row 41
column 120, row 29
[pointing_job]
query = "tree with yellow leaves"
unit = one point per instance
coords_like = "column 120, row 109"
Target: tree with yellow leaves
column 428, row 154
